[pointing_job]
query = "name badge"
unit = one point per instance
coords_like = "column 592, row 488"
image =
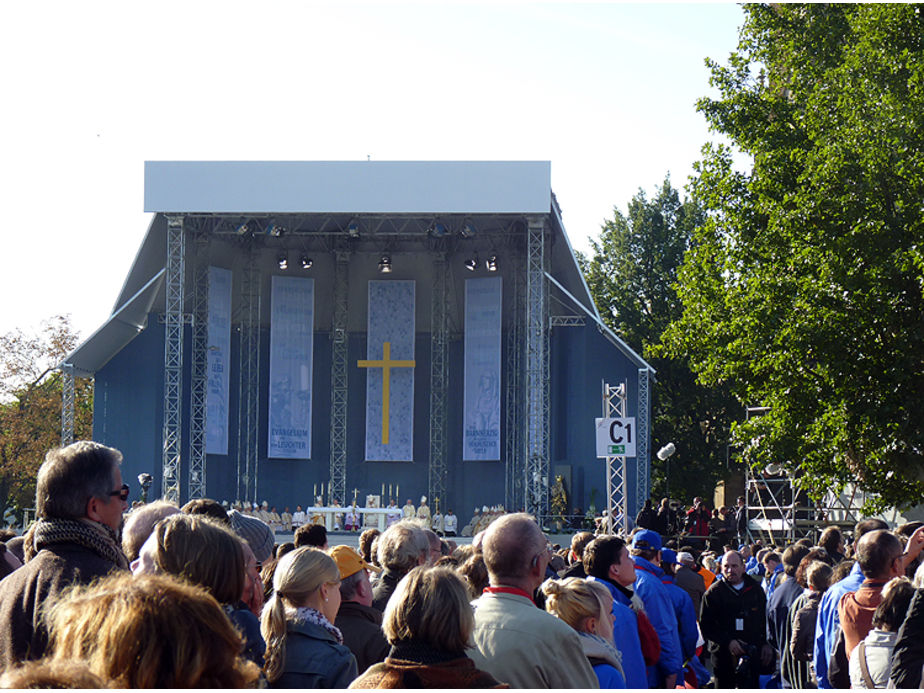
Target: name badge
column 739, row 624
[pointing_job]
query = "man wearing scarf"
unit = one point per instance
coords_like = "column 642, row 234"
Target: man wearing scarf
column 79, row 501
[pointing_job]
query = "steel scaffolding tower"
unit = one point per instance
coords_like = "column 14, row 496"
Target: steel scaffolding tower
column 537, row 373
column 617, row 505
column 439, row 382
column 338, row 380
column 199, row 375
column 514, row 497
column 173, row 358
column 67, row 404
column 249, row 386
column 642, row 437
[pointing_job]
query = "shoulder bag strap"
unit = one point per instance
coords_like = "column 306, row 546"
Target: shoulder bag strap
column 864, row 669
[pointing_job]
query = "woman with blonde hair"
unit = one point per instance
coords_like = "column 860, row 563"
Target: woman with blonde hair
column 304, row 649
column 588, row 608
column 149, row 631
column 428, row 623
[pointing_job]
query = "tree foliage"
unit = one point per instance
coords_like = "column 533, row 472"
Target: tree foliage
column 632, row 274
column 30, row 406
column 803, row 288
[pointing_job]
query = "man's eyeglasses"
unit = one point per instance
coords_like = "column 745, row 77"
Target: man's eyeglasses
column 122, row 493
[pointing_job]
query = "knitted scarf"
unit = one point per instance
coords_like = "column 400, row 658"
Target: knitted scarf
column 305, row 614
column 94, row 536
column 598, row 648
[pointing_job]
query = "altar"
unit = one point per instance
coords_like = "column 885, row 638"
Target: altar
column 372, row 517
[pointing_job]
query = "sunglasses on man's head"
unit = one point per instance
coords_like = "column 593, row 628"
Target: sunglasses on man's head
column 122, row 493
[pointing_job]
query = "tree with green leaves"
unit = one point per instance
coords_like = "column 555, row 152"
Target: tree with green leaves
column 632, row 274
column 30, row 406
column 802, row 291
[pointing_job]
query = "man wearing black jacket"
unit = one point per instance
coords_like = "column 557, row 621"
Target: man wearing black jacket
column 734, row 621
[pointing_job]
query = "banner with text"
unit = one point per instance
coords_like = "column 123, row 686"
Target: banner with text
column 389, row 366
column 483, row 301
column 291, row 361
column 218, row 361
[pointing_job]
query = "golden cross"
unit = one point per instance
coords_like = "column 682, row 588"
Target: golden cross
column 386, row 364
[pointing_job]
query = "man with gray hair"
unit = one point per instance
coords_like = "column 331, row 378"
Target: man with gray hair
column 514, row 640
column 79, row 501
column 402, row 547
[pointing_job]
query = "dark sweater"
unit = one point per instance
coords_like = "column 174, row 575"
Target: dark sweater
column 52, row 570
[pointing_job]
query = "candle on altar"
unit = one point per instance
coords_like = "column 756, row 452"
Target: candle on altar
column 383, row 490
column 315, row 494
column 397, row 490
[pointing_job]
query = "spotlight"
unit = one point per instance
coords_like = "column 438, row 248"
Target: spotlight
column 242, row 228
column 275, row 229
column 353, row 228
column 438, row 229
column 491, row 263
column 472, row 263
column 306, row 262
column 385, row 264
column 283, row 261
column 468, row 230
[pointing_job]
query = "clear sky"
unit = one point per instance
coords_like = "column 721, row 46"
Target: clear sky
column 91, row 90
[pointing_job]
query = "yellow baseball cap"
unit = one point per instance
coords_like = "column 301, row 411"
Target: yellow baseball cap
column 349, row 561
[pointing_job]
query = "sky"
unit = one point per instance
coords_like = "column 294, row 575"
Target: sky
column 91, row 90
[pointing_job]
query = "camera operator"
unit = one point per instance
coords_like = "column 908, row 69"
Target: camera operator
column 733, row 619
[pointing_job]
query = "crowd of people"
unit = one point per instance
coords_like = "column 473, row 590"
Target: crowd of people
column 203, row 595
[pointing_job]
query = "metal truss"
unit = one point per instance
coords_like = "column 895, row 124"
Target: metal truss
column 642, row 437
column 771, row 505
column 439, row 382
column 515, row 470
column 67, row 403
column 249, row 385
column 617, row 503
column 173, row 358
column 537, row 373
column 567, row 321
column 358, row 226
column 199, row 374
column 338, row 380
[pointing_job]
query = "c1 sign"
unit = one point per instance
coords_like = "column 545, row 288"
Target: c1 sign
column 616, row 437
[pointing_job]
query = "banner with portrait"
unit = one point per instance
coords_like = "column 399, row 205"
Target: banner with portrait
column 482, row 398
column 218, row 361
column 290, row 367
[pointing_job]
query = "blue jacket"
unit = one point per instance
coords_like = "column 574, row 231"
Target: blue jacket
column 770, row 582
column 625, row 637
column 314, row 659
column 660, row 611
column 828, row 624
column 686, row 617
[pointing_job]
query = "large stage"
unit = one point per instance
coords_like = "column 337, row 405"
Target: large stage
column 390, row 328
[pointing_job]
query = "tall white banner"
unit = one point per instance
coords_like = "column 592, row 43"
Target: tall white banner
column 483, row 302
column 291, row 362
column 218, row 360
column 389, row 368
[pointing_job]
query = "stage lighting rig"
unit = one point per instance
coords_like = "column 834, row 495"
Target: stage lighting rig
column 385, row 264
column 306, row 262
column 283, row 261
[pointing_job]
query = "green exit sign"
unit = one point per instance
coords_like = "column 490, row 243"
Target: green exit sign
column 617, row 449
